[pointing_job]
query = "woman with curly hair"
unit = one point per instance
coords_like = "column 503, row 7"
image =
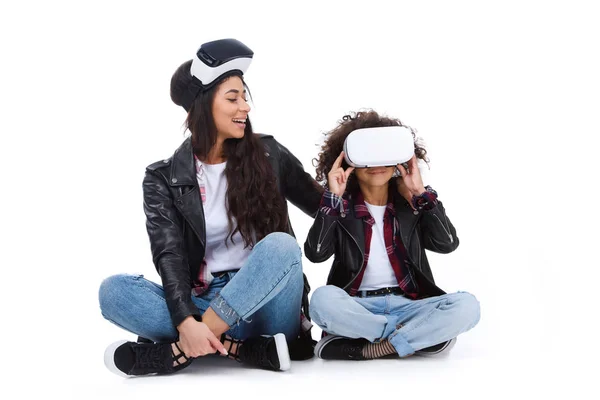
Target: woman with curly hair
column 221, row 240
column 380, row 297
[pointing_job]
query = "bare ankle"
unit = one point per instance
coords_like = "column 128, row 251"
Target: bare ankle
column 214, row 322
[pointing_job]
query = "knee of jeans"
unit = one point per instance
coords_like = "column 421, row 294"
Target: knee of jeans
column 280, row 245
column 470, row 309
column 322, row 302
column 111, row 289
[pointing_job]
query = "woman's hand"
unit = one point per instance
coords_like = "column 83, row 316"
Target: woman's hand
column 338, row 178
column 411, row 183
column 197, row 340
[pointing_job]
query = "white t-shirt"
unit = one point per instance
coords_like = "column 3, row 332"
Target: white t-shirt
column 220, row 256
column 379, row 272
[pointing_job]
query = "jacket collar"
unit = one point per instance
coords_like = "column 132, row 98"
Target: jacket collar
column 361, row 210
column 183, row 168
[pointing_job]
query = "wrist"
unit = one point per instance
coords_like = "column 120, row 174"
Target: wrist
column 333, row 204
column 419, row 191
column 190, row 319
column 426, row 200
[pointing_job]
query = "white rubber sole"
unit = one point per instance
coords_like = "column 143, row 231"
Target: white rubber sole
column 109, row 358
column 282, row 352
column 323, row 342
column 444, row 350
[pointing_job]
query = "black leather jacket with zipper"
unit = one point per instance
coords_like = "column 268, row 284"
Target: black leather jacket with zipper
column 175, row 217
column 344, row 237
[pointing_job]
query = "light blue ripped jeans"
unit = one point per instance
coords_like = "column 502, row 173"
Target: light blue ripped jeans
column 409, row 325
column 262, row 298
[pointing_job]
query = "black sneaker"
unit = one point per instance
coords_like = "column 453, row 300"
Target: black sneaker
column 142, row 339
column 440, row 348
column 129, row 358
column 333, row 347
column 268, row 352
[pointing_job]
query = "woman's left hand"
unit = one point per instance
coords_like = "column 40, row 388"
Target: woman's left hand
column 411, row 183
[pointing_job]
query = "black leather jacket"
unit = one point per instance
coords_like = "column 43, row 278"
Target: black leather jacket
column 175, row 217
column 344, row 236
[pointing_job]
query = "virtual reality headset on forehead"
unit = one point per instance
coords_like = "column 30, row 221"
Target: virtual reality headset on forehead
column 379, row 147
column 216, row 60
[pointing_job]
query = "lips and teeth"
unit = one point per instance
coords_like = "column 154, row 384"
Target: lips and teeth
column 239, row 121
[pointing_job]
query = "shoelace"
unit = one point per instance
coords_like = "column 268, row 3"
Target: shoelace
column 351, row 351
column 256, row 352
column 149, row 357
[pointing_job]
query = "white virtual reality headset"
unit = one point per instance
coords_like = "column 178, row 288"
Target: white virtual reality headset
column 379, row 147
column 216, row 60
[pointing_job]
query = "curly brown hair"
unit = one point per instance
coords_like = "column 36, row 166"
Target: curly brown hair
column 334, row 143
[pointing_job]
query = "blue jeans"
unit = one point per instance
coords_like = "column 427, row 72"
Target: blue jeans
column 262, row 298
column 409, row 325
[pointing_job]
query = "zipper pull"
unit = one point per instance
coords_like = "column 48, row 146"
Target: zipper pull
column 318, row 247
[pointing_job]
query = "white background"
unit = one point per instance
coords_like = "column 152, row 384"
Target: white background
column 506, row 95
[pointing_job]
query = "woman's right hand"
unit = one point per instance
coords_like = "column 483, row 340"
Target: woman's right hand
column 197, row 340
column 337, row 178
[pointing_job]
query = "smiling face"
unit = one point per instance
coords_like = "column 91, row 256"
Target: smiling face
column 374, row 176
column 230, row 109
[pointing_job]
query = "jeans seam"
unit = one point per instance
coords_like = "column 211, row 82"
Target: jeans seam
column 403, row 338
column 425, row 318
column 137, row 280
column 113, row 322
column 286, row 272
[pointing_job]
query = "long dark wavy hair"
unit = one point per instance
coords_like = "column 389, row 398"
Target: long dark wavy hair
column 334, row 144
column 255, row 205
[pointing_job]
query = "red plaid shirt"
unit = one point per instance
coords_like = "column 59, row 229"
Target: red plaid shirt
column 201, row 283
column 332, row 204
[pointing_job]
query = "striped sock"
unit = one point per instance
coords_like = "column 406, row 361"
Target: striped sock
column 377, row 350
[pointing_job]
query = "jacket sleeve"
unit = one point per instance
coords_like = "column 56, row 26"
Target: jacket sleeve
column 438, row 232
column 301, row 189
column 320, row 242
column 164, row 228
